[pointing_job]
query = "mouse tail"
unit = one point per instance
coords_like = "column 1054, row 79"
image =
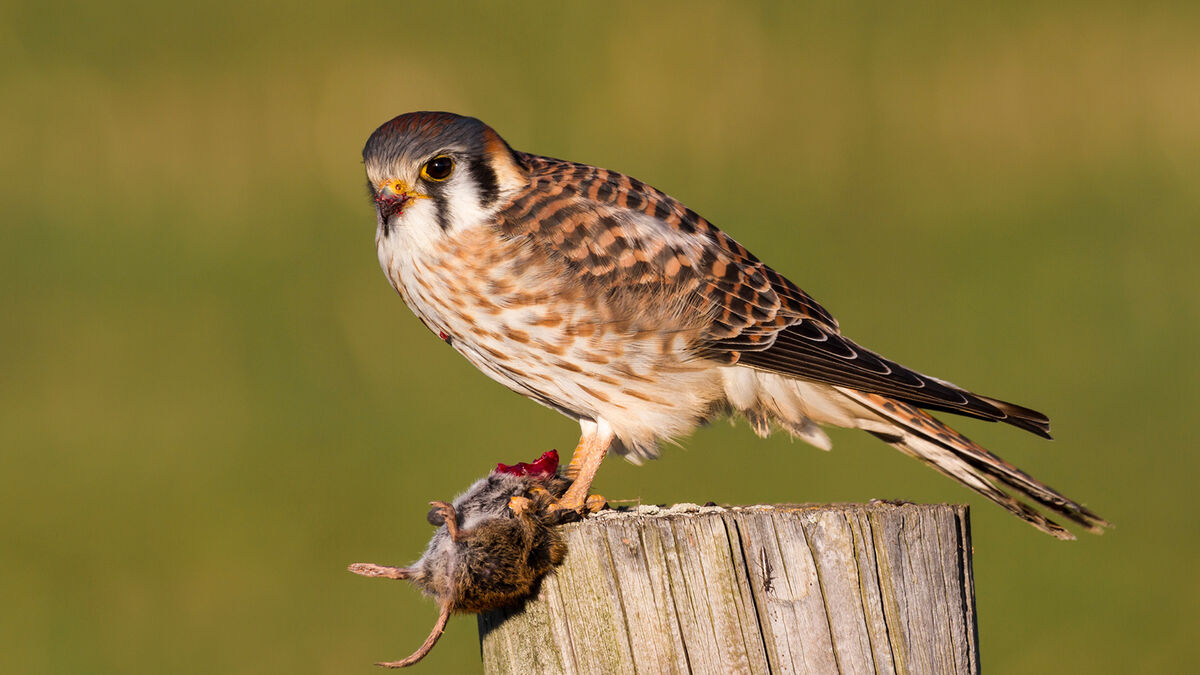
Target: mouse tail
column 430, row 641
column 373, row 570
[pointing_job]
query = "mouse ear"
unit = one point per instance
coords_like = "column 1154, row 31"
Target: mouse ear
column 435, row 517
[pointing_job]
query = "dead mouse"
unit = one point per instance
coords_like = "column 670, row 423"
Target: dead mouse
column 492, row 544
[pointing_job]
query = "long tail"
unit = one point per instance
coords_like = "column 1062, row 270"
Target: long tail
column 438, row 629
column 387, row 572
column 373, row 570
column 917, row 434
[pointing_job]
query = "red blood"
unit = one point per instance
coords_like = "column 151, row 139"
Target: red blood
column 390, row 205
column 442, row 335
column 546, row 465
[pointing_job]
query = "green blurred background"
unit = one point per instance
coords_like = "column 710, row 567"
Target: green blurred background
column 211, row 401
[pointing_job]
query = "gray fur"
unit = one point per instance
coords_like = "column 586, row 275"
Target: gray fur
column 486, row 499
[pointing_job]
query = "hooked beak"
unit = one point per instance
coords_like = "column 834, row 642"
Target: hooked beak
column 391, row 198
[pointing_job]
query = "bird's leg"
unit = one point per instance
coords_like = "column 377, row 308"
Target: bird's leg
column 577, row 458
column 587, row 432
column 585, row 463
column 594, row 503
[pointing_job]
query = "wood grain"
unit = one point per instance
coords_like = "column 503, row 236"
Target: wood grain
column 844, row 588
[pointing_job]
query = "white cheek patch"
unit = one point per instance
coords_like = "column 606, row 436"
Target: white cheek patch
column 421, row 224
column 418, row 225
column 461, row 200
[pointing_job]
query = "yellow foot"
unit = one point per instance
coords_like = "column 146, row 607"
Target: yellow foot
column 519, row 504
column 585, row 505
column 594, row 503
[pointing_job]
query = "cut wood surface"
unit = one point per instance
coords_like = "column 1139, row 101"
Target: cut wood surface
column 851, row 588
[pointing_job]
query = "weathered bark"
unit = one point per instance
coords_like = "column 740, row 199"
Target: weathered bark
column 854, row 588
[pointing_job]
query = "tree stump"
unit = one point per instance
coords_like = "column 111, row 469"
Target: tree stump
column 851, row 588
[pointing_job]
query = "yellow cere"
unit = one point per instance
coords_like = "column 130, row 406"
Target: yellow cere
column 401, row 188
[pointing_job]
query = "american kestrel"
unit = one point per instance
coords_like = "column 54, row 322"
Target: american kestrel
column 607, row 300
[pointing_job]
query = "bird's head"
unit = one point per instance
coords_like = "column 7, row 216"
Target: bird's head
column 437, row 172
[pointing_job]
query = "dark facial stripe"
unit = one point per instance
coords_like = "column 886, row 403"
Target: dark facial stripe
column 485, row 179
column 384, row 223
column 438, row 194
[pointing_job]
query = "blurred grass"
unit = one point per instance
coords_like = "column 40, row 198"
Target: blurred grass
column 211, row 401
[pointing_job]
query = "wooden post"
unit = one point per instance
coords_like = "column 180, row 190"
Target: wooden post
column 850, row 588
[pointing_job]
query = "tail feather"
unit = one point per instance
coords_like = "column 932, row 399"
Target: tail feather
column 917, row 434
column 800, row 406
column 955, row 468
column 1022, row 417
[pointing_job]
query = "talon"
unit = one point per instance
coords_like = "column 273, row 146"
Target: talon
column 589, row 504
column 594, row 503
column 519, row 504
column 567, row 504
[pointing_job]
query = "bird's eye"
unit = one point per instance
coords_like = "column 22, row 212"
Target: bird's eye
column 438, row 168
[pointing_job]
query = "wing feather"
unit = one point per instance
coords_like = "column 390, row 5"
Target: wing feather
column 621, row 236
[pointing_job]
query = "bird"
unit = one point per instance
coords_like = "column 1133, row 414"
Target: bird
column 601, row 297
